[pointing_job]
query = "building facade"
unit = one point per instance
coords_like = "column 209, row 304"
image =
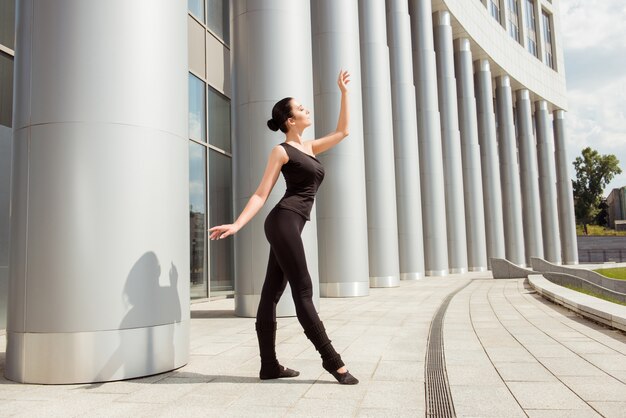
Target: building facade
column 616, row 202
column 456, row 152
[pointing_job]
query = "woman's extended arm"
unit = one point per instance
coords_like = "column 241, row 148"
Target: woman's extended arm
column 277, row 158
column 327, row 142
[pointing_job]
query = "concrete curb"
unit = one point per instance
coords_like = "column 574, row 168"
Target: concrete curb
column 599, row 310
column 544, row 266
column 504, row 269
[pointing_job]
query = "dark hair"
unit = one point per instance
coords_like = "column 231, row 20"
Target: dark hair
column 280, row 113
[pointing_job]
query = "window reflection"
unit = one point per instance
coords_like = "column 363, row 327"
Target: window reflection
column 219, row 121
column 196, row 7
column 6, row 89
column 197, row 219
column 197, row 114
column 221, row 212
column 531, row 27
column 218, row 19
column 7, row 23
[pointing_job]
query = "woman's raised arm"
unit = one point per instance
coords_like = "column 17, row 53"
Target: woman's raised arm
column 327, row 142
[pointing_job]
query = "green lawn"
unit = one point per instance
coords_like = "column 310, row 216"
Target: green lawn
column 597, row 295
column 614, row 273
column 599, row 230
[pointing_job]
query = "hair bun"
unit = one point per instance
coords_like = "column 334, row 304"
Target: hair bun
column 272, row 125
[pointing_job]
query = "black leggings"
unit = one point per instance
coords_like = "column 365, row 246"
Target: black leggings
column 287, row 263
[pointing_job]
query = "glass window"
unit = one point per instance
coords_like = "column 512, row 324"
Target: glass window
column 7, row 23
column 513, row 19
column 221, row 212
column 197, row 108
column 531, row 27
column 6, row 89
column 196, row 7
column 197, row 219
column 547, row 39
column 219, row 121
column 494, row 9
column 218, row 18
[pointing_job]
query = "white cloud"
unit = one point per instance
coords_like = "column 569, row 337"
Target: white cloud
column 595, row 66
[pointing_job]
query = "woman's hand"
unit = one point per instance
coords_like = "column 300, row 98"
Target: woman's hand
column 222, row 231
column 343, row 80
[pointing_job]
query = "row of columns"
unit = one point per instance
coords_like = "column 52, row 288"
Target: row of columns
column 432, row 179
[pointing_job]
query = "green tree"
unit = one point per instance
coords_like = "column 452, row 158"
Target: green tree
column 593, row 173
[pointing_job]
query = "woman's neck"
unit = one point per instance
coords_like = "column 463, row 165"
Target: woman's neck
column 293, row 136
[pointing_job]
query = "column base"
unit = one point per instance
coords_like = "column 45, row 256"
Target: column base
column 344, row 290
column 459, row 270
column 476, row 269
column 385, row 281
column 98, row 356
column 411, row 276
column 437, row 272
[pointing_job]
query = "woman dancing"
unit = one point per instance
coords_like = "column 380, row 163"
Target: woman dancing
column 303, row 173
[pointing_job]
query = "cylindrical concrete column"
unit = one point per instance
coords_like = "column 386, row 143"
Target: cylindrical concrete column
column 382, row 225
column 429, row 139
column 258, row 83
column 410, row 233
column 341, row 207
column 529, row 174
column 470, row 153
column 509, row 171
column 567, row 221
column 99, row 263
column 492, row 192
column 547, row 184
column 451, row 144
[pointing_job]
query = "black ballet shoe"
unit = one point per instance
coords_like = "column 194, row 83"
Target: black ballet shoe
column 345, row 378
column 267, row 373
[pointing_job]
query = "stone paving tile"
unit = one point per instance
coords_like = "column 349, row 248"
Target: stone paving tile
column 571, row 367
column 399, row 371
column 390, row 412
column 484, row 401
column 610, row 409
column 524, row 372
column 394, row 395
column 545, row 395
column 561, row 413
column 315, row 409
column 601, row 388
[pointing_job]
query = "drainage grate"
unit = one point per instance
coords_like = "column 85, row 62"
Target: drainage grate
column 438, row 398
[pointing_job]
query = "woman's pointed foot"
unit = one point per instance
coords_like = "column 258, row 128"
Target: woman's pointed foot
column 277, row 373
column 345, row 378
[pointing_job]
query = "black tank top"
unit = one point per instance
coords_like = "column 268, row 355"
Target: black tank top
column 303, row 174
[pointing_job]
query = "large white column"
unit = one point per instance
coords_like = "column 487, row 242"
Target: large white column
column 470, row 153
column 258, row 83
column 99, row 263
column 382, row 224
column 429, row 139
column 547, row 184
column 509, row 171
column 451, row 144
column 529, row 174
column 492, row 192
column 410, row 233
column 567, row 222
column 341, row 202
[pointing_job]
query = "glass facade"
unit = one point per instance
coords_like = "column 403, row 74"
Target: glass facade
column 209, row 116
column 548, row 56
column 531, row 27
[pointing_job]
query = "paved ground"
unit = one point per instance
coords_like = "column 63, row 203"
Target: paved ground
column 508, row 353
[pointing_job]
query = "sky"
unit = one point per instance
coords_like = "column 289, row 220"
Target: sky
column 594, row 36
